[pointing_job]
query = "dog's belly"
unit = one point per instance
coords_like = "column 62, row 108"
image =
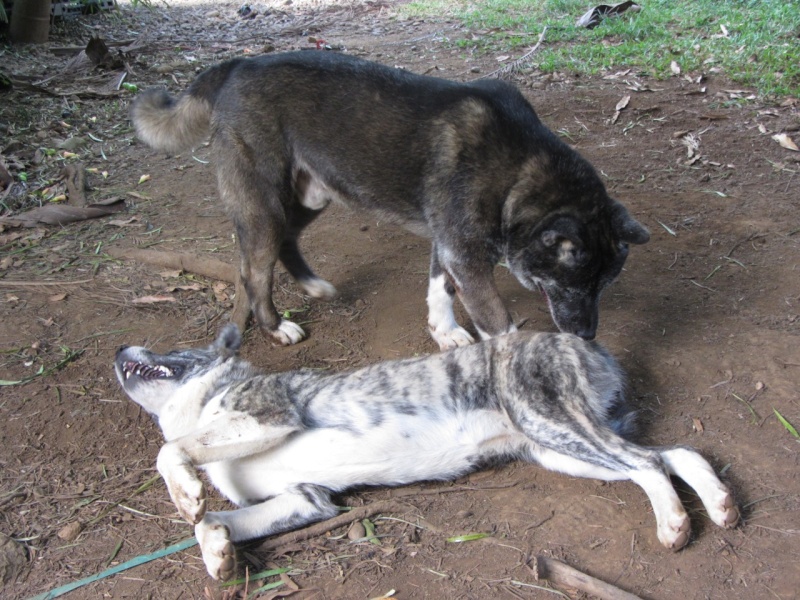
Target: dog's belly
column 402, row 450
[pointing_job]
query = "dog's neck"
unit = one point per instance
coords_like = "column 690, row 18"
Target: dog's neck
column 179, row 415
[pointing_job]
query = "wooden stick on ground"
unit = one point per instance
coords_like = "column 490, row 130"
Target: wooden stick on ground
column 559, row 573
column 207, row 267
column 355, row 514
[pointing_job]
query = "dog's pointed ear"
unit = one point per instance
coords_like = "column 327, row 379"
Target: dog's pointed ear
column 626, row 227
column 228, row 341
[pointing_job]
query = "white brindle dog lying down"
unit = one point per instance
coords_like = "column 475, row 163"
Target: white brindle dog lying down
column 278, row 445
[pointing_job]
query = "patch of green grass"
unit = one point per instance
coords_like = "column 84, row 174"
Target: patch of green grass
column 760, row 49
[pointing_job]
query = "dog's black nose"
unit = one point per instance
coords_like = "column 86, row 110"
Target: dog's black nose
column 122, row 349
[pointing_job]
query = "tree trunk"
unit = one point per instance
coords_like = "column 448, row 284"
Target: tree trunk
column 30, row 21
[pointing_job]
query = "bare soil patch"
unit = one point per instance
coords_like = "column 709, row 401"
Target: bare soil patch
column 704, row 319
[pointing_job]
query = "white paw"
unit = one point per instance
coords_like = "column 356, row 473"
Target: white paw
column 219, row 555
column 319, row 288
column 189, row 497
column 674, row 534
column 287, row 333
column 723, row 510
column 451, row 338
column 185, row 488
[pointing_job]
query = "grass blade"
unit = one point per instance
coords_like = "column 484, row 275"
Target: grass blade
column 789, row 427
column 469, row 537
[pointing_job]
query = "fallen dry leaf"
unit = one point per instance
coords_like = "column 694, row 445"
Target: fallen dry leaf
column 123, row 222
column 171, row 273
column 594, row 16
column 697, row 424
column 220, row 289
column 57, row 297
column 59, row 214
column 152, row 299
column 70, row 532
column 144, row 178
column 785, row 141
column 623, row 102
column 191, row 287
column 675, row 68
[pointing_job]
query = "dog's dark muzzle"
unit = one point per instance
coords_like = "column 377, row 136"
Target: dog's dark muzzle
column 576, row 315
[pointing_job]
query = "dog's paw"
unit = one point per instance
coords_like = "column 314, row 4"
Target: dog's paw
column 451, row 338
column 185, row 488
column 675, row 534
column 219, row 554
column 287, row 333
column 724, row 512
column 189, row 497
column 318, row 288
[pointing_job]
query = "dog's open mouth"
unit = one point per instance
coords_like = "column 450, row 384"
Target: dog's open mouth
column 146, row 372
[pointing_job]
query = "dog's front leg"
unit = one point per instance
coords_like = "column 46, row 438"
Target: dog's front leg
column 442, row 324
column 295, row 508
column 234, row 435
column 473, row 281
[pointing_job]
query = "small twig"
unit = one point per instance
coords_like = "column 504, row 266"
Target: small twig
column 355, row 514
column 705, row 287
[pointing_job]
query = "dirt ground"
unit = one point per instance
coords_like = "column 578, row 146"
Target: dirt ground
column 704, row 319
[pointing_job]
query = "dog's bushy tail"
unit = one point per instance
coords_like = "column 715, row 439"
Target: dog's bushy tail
column 622, row 417
column 173, row 124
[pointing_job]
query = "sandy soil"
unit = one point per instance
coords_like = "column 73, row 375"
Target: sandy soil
column 704, row 319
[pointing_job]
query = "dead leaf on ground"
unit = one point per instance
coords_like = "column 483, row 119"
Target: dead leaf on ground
column 675, row 68
column 172, row 273
column 189, row 287
column 153, row 299
column 220, row 289
column 57, row 297
column 697, row 425
column 70, row 532
column 785, row 141
column 620, row 106
column 13, row 558
column 594, row 16
column 124, row 222
column 57, row 214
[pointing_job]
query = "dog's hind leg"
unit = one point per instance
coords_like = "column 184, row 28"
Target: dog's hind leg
column 229, row 437
column 695, row 471
column 290, row 510
column 444, row 329
column 642, row 466
column 255, row 203
column 299, row 217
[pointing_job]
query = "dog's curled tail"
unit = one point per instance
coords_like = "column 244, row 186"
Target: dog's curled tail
column 173, row 124
column 169, row 124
